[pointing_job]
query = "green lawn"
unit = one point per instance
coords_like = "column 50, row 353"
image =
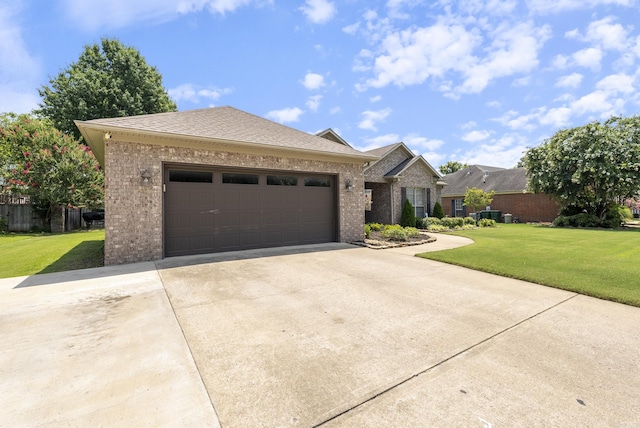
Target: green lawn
column 599, row 263
column 29, row 254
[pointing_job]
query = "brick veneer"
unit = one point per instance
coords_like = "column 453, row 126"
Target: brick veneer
column 528, row 207
column 133, row 212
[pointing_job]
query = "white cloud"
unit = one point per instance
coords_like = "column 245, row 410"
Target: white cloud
column 193, row 93
column 617, row 83
column 572, row 80
column 351, row 29
column 285, row 115
column 555, row 6
column 411, row 56
column 335, row 110
column 371, row 118
column 375, row 99
column 513, row 50
column 608, row 35
column 20, row 72
column 120, row 13
column 503, row 152
column 475, row 136
column 319, row 11
column 419, row 143
column 588, row 58
column 313, row 102
column 313, row 81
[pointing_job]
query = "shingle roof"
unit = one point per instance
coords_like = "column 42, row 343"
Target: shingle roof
column 383, row 151
column 486, row 178
column 225, row 124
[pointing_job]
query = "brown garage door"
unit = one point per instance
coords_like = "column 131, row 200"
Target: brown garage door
column 211, row 210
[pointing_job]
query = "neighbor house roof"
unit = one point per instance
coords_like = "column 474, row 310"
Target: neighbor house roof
column 489, row 179
column 217, row 128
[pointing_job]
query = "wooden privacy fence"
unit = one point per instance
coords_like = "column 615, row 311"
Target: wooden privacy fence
column 18, row 215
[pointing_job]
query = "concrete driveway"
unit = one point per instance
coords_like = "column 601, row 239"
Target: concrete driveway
column 330, row 335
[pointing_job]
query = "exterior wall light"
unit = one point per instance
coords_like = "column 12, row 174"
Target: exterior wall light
column 145, row 175
column 349, row 185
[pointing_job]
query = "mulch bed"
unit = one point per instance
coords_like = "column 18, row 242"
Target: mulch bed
column 379, row 242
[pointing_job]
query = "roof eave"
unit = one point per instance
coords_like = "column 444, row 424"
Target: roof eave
column 96, row 133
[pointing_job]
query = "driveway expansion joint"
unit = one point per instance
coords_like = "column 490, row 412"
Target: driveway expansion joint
column 440, row 363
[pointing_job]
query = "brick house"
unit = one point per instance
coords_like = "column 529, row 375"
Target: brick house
column 511, row 194
column 398, row 175
column 220, row 179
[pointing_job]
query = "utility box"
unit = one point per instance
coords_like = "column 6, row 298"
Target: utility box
column 491, row 214
column 508, row 218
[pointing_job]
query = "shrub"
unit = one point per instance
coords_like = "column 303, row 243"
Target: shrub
column 584, row 220
column 433, row 221
column 412, row 232
column 367, row 231
column 437, row 210
column 422, row 223
column 376, row 227
column 408, row 218
column 469, row 221
column 453, row 222
column 561, row 221
column 614, row 218
column 438, row 228
column 487, row 222
column 394, row 233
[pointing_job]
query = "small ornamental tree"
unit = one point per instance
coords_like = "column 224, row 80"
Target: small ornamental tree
column 476, row 199
column 437, row 210
column 52, row 168
column 408, row 218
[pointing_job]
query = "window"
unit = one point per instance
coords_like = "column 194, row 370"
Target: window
column 191, row 176
column 415, row 195
column 228, row 178
column 458, row 208
column 281, row 180
column 317, row 181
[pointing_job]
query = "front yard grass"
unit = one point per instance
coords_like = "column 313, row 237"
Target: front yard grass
column 596, row 262
column 29, row 254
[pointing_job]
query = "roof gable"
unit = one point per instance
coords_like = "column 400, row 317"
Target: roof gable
column 408, row 159
column 332, row 135
column 213, row 127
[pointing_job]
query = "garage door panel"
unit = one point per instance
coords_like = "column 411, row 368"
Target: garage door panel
column 216, row 216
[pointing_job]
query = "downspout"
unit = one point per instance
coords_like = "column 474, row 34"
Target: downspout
column 392, row 206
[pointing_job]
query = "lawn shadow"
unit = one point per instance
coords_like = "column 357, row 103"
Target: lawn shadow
column 85, row 255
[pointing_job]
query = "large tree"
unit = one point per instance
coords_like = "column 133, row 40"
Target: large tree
column 108, row 80
column 591, row 167
column 51, row 167
column 451, row 167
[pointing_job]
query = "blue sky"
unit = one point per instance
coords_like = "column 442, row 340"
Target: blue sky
column 476, row 81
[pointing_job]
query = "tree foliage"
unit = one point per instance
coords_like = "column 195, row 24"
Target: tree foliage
column 451, row 167
column 51, row 167
column 438, row 211
column 110, row 80
column 408, row 218
column 476, row 199
column 592, row 167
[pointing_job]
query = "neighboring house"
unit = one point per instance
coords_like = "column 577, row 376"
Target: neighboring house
column 398, row 175
column 511, row 195
column 220, row 179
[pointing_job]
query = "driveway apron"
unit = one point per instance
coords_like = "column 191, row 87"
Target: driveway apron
column 339, row 335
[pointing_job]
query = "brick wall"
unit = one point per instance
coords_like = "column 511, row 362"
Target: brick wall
column 133, row 212
column 528, row 207
column 376, row 172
